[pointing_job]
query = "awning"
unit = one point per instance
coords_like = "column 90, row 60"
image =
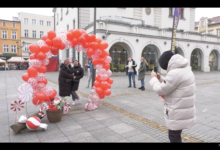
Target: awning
column 17, row 59
column 2, row 61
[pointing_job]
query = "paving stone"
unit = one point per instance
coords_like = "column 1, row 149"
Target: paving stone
column 121, row 128
column 139, row 137
column 101, row 133
column 131, row 133
column 114, row 138
column 78, row 137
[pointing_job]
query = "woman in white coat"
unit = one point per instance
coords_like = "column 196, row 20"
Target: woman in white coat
column 178, row 88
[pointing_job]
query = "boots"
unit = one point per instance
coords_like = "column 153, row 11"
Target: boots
column 143, row 88
column 140, row 87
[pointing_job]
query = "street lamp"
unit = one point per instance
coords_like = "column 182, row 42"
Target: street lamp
column 20, row 47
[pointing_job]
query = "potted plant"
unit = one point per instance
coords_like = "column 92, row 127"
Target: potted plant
column 55, row 111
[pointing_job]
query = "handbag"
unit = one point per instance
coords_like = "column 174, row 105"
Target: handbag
column 68, row 80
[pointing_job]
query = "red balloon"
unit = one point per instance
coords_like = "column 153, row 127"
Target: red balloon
column 69, row 36
column 102, row 61
column 45, row 48
column 89, row 56
column 99, row 91
column 106, row 67
column 82, row 39
column 35, row 101
column 42, row 69
column 41, row 56
column 49, row 42
column 95, row 45
column 75, row 41
column 86, row 36
column 95, row 62
column 44, row 37
column 41, row 96
column 76, row 33
column 96, row 84
column 54, row 50
column 110, row 80
column 82, row 31
column 25, row 77
column 97, row 78
column 103, row 45
column 90, row 51
column 51, row 34
column 98, row 40
column 104, row 54
column 109, row 86
column 101, row 96
column 33, row 56
column 85, row 45
column 44, row 81
column 54, row 93
column 62, row 46
column 56, row 41
column 107, row 92
column 34, row 48
column 104, row 85
column 71, row 30
column 92, row 38
column 32, row 72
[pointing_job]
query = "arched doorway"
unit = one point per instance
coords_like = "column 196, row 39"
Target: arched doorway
column 213, row 60
column 151, row 54
column 196, row 60
column 119, row 52
column 179, row 51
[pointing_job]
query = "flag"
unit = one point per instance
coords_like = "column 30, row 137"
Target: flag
column 176, row 15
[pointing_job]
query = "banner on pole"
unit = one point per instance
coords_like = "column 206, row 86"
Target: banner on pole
column 176, row 16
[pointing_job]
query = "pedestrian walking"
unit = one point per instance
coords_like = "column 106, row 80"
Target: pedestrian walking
column 18, row 65
column 6, row 66
column 178, row 89
column 27, row 65
column 65, row 79
column 141, row 72
column 131, row 71
column 78, row 73
column 90, row 73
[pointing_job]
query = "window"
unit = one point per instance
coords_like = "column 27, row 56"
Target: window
column 25, row 33
column 218, row 32
column 67, row 11
column 41, row 22
column 13, row 48
column 170, row 11
column 14, row 35
column 5, row 48
column 33, row 21
column 34, row 33
column 210, row 32
column 25, row 20
column 182, row 13
column 26, row 47
column 73, row 24
column 4, row 24
column 202, row 24
column 13, row 24
column 48, row 23
column 4, row 34
column 41, row 33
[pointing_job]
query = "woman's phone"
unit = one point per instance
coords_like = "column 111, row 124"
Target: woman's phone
column 155, row 69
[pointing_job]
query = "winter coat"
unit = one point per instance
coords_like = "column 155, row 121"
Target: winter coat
column 134, row 65
column 141, row 71
column 79, row 73
column 178, row 88
column 64, row 87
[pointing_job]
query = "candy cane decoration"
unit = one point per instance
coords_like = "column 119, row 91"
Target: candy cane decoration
column 17, row 105
column 40, row 111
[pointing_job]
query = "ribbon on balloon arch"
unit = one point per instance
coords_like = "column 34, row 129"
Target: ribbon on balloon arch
column 50, row 44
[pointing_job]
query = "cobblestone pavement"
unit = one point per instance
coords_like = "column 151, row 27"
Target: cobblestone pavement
column 127, row 115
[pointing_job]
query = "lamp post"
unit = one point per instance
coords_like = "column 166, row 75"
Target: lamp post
column 20, row 47
column 93, row 66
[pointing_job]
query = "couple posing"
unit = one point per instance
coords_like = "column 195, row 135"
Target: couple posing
column 69, row 78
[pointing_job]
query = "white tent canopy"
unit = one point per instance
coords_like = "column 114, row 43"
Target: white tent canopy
column 2, row 61
column 17, row 59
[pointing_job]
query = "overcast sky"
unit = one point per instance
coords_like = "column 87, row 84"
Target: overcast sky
column 8, row 13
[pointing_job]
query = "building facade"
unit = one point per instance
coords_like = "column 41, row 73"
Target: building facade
column 33, row 27
column 141, row 32
column 10, row 38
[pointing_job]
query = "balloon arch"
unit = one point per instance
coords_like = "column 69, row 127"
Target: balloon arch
column 50, row 45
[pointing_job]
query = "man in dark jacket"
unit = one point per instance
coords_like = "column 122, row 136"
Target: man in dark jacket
column 131, row 71
column 64, row 75
column 78, row 72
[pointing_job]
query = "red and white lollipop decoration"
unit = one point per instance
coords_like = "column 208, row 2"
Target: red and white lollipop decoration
column 17, row 105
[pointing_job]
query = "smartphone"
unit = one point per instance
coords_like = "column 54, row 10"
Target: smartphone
column 155, row 69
